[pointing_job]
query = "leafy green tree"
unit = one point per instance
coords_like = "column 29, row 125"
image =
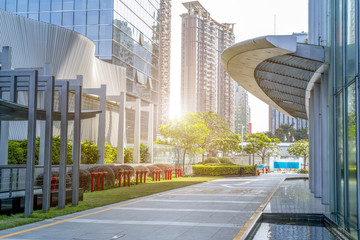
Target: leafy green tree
column 187, row 133
column 227, row 144
column 299, row 148
column 110, row 154
column 301, row 134
column 262, row 145
column 285, row 133
column 144, row 154
column 218, row 130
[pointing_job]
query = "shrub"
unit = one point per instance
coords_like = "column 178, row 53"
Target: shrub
column 116, row 169
column 84, row 178
column 144, row 154
column 110, row 154
column 128, row 155
column 89, row 153
column 40, row 180
column 110, row 177
column 226, row 161
column 211, row 164
column 221, row 170
column 56, row 151
column 306, row 171
column 212, row 160
column 140, row 167
column 151, row 169
column 17, row 152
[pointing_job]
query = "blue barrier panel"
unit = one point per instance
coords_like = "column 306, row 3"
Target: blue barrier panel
column 286, row 165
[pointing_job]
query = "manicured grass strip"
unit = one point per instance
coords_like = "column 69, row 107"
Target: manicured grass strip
column 101, row 198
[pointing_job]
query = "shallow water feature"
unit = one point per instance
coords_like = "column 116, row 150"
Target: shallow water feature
column 296, row 231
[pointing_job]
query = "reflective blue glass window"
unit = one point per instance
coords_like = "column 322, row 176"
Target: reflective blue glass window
column 56, row 18
column 93, row 17
column 34, row 16
column 350, row 40
column 34, row 5
column 2, row 4
column 80, row 4
column 105, row 32
column 93, row 4
column 45, row 17
column 80, row 29
column 22, row 6
column 105, row 48
column 68, row 18
column 56, row 5
column 339, row 43
column 92, row 32
column 106, row 17
column 44, row 5
column 80, row 18
column 106, row 4
column 68, row 4
column 11, row 6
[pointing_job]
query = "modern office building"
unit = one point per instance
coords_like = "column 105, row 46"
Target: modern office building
column 242, row 110
column 277, row 118
column 205, row 86
column 318, row 81
column 125, row 33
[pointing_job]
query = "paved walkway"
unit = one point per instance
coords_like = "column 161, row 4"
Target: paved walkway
column 212, row 210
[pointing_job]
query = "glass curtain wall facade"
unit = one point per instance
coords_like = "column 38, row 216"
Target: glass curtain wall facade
column 277, row 118
column 345, row 62
column 125, row 32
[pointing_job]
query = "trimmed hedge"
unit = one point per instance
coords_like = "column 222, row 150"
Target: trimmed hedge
column 221, row 170
column 151, row 169
column 226, row 161
column 84, row 178
column 212, row 160
column 110, row 177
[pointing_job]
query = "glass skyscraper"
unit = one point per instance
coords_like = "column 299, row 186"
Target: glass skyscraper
column 125, row 32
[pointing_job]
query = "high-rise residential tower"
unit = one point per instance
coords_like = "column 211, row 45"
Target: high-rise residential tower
column 132, row 34
column 205, row 86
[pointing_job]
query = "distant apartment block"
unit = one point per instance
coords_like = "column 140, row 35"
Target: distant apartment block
column 277, row 118
column 205, row 86
column 242, row 110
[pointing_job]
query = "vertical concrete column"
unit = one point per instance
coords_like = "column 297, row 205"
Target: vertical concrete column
column 151, row 132
column 121, row 129
column 64, row 108
column 317, row 138
column 137, row 131
column 101, row 126
column 5, row 60
column 311, row 141
column 325, row 142
column 49, row 98
column 76, row 146
column 30, row 158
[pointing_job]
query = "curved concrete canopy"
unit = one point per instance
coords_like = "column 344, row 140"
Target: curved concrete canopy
column 275, row 69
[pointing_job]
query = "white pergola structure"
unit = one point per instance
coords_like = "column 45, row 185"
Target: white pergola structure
column 121, row 100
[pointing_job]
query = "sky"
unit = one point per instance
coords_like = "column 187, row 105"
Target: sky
column 252, row 18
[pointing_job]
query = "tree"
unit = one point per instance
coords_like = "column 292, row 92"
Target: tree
column 187, row 133
column 285, row 133
column 218, row 130
column 301, row 134
column 262, row 145
column 228, row 144
column 300, row 148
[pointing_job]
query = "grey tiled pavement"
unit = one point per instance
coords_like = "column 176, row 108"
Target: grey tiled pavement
column 213, row 210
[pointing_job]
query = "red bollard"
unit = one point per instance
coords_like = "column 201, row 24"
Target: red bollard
column 137, row 177
column 103, row 180
column 176, row 172
column 159, row 175
column 153, row 175
column 141, row 174
column 125, row 172
column 170, row 173
column 128, row 177
column 53, row 183
column 145, row 172
column 98, row 181
column 93, row 175
column 166, row 174
column 120, row 173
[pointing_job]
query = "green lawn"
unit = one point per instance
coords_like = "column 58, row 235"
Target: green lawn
column 101, row 198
